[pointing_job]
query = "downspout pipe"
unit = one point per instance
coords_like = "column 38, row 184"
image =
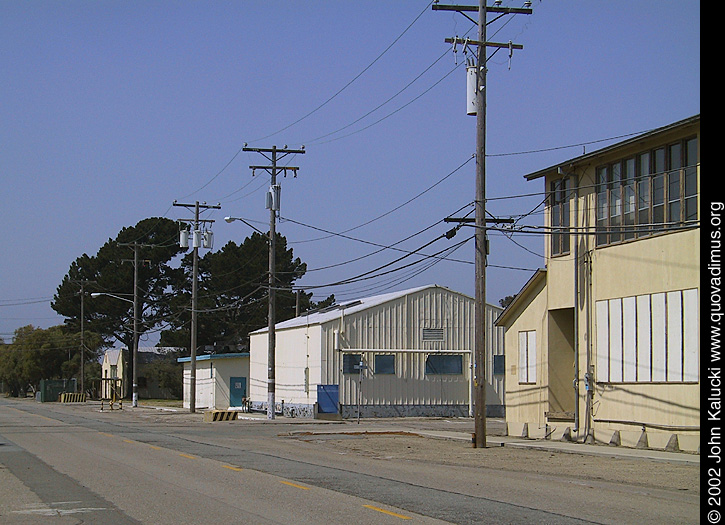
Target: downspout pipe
column 576, row 306
column 575, row 239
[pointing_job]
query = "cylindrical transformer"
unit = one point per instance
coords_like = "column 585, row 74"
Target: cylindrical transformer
column 471, row 85
column 208, row 239
column 197, row 239
column 184, row 238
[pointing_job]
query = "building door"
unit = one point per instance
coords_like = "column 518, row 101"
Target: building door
column 562, row 398
column 237, row 391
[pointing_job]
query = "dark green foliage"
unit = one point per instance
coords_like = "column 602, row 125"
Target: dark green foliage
column 232, row 293
column 53, row 353
column 111, row 271
column 168, row 374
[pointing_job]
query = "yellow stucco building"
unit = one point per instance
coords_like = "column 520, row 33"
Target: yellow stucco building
column 603, row 343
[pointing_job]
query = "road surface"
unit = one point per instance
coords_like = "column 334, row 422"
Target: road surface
column 74, row 463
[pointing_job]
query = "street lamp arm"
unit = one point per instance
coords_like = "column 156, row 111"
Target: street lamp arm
column 99, row 294
column 232, row 219
column 134, row 402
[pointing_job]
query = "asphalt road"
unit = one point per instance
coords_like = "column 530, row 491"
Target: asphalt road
column 74, row 463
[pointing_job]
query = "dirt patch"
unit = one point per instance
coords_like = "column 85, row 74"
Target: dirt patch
column 403, row 447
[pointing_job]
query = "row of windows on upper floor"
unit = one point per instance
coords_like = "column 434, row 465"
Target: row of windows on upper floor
column 647, row 193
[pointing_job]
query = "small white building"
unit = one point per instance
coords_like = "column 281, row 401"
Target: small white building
column 222, row 380
column 407, row 353
column 114, row 373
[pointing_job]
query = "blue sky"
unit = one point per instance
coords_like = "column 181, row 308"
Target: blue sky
column 109, row 111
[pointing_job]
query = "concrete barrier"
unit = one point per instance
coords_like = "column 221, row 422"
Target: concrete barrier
column 72, row 397
column 220, row 415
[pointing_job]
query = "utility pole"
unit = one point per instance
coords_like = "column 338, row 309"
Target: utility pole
column 83, row 343
column 196, row 241
column 83, row 283
column 479, row 384
column 272, row 154
column 134, row 352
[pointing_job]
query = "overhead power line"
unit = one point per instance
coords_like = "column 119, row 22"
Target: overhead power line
column 343, row 88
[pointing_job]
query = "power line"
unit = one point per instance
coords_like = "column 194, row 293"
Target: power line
column 343, row 88
column 370, row 221
column 368, row 275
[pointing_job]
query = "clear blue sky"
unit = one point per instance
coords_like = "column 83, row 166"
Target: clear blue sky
column 111, row 110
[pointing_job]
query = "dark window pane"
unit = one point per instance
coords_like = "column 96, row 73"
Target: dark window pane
column 658, row 190
column 675, row 156
column 691, row 209
column 499, row 365
column 350, row 363
column 691, row 152
column 659, row 161
column 444, row 364
column 385, row 364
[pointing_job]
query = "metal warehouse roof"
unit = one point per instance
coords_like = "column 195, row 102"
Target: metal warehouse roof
column 330, row 313
column 209, row 357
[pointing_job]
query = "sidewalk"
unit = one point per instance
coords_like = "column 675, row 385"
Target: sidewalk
column 459, row 429
column 568, row 447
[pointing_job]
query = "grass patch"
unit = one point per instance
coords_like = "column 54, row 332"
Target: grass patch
column 167, row 403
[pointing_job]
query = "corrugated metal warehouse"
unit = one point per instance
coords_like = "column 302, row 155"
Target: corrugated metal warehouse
column 406, row 353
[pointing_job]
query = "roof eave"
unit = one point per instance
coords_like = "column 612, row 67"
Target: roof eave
column 567, row 164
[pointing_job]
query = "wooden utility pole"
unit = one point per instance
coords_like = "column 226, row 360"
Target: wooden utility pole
column 134, row 354
column 479, row 380
column 196, row 241
column 272, row 154
column 83, row 283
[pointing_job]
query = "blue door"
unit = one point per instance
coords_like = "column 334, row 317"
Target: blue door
column 328, row 399
column 237, row 391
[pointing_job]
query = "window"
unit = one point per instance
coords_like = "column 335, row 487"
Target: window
column 560, row 196
column 690, row 185
column 648, row 338
column 114, row 371
column 499, row 365
column 527, row 357
column 351, row 363
column 444, row 364
column 385, row 364
column 644, row 201
column 647, row 193
column 628, row 199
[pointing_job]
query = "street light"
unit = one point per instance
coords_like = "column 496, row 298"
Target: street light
column 232, row 219
column 271, row 336
column 134, row 375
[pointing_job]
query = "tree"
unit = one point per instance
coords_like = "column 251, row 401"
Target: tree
column 37, row 354
column 111, row 271
column 506, row 300
column 232, row 293
column 168, row 374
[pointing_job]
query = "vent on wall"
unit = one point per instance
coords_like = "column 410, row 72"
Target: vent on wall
column 432, row 334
